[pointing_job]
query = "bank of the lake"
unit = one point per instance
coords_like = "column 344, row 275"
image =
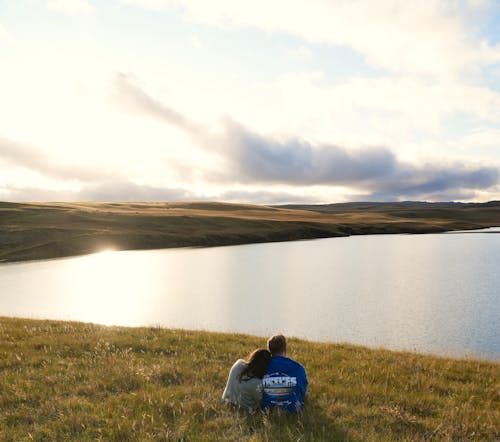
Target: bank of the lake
column 76, row 381
column 51, row 230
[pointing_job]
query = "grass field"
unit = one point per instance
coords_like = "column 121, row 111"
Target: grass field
column 49, row 230
column 75, row 381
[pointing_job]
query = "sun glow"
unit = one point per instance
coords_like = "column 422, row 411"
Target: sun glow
column 105, row 252
column 103, row 290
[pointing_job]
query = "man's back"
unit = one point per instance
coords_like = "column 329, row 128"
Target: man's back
column 285, row 384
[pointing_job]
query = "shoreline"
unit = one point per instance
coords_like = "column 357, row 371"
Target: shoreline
column 238, row 243
column 38, row 231
column 455, row 355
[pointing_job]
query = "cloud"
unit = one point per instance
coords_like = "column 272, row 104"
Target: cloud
column 126, row 191
column 122, row 190
column 20, row 155
column 433, row 37
column 5, row 36
column 129, row 95
column 301, row 52
column 421, row 105
column 259, row 158
column 268, row 197
column 434, row 182
column 253, row 158
column 70, row 6
column 33, row 194
column 452, row 195
column 116, row 190
column 95, row 184
column 195, row 41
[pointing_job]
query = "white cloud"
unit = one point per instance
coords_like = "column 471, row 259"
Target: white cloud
column 70, row 6
column 432, row 37
column 302, row 52
column 5, row 36
column 249, row 158
column 195, row 42
column 360, row 111
column 156, row 5
column 481, row 143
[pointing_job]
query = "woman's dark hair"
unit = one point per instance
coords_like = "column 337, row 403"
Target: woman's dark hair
column 257, row 364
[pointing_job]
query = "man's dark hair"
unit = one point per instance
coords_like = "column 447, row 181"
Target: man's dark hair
column 276, row 344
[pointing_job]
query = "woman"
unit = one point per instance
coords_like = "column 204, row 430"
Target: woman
column 244, row 383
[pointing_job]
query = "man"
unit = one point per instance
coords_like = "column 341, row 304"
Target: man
column 285, row 381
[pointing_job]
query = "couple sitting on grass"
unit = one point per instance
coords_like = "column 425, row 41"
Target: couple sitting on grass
column 267, row 379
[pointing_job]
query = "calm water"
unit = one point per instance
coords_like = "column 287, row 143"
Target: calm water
column 430, row 293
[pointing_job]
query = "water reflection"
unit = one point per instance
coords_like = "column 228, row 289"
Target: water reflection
column 431, row 293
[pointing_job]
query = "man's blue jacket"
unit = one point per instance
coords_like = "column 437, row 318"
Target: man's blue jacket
column 285, row 384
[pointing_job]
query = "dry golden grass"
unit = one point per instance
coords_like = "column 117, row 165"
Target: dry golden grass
column 74, row 381
column 49, row 230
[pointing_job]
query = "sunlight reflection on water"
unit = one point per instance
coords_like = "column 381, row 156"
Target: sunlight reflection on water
column 430, row 293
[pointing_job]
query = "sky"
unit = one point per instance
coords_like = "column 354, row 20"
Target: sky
column 264, row 102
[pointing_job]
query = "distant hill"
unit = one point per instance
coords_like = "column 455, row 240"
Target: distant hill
column 49, row 230
column 380, row 206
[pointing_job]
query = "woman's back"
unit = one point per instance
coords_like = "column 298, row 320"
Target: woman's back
column 245, row 392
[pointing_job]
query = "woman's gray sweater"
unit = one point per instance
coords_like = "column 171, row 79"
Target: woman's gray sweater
column 246, row 393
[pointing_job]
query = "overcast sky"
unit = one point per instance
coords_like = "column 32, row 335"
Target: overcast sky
column 261, row 102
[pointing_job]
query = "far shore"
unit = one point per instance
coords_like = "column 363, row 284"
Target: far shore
column 32, row 231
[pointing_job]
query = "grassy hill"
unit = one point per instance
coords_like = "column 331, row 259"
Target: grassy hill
column 75, row 381
column 48, row 230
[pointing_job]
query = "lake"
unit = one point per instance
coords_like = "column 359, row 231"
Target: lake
column 434, row 293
